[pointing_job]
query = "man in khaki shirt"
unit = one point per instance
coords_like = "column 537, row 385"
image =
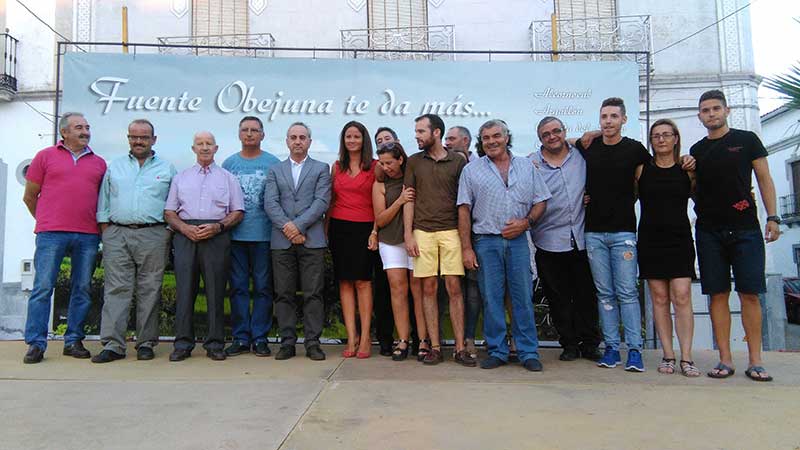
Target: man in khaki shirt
column 431, row 231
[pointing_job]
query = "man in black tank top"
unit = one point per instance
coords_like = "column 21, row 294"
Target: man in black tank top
column 727, row 231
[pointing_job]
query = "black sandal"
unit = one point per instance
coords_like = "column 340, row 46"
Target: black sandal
column 423, row 352
column 400, row 354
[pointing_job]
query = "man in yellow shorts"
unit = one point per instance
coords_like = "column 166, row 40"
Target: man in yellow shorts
column 431, row 231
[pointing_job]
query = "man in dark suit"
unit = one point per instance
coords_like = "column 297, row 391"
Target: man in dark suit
column 297, row 194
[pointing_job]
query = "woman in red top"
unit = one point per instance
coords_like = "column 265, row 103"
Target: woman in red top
column 350, row 229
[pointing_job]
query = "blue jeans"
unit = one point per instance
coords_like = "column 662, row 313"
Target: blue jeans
column 472, row 302
column 51, row 248
column 506, row 264
column 612, row 258
column 251, row 259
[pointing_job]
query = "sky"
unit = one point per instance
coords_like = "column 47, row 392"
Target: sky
column 776, row 42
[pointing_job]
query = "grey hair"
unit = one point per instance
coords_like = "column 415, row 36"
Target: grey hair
column 299, row 124
column 63, row 123
column 547, row 120
column 196, row 135
column 464, row 132
column 494, row 123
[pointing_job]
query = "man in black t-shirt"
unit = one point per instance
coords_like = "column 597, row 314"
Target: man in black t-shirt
column 727, row 232
column 611, row 164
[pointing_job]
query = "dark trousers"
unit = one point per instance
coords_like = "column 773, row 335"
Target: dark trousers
column 210, row 259
column 382, row 304
column 567, row 283
column 307, row 265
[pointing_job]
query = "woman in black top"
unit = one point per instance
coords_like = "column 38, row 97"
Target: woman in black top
column 665, row 246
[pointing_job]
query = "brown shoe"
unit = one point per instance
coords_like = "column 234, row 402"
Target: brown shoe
column 465, row 359
column 433, row 357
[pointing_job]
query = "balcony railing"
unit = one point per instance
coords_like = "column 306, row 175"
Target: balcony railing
column 597, row 34
column 260, row 45
column 8, row 66
column 439, row 37
column 790, row 207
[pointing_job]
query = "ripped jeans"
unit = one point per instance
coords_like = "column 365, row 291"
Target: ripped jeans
column 612, row 258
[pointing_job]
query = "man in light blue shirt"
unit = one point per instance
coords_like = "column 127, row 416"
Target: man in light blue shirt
column 560, row 248
column 499, row 197
column 130, row 211
column 250, row 244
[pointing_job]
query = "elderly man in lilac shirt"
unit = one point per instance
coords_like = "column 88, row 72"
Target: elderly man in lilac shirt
column 205, row 201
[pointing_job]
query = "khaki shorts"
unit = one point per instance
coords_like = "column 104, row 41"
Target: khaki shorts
column 439, row 254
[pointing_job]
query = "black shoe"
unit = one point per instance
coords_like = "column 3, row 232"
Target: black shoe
column 34, row 355
column 591, row 353
column 77, row 350
column 465, row 359
column 261, row 349
column 237, row 348
column 179, row 354
column 106, row 356
column 315, row 353
column 216, row 354
column 492, row 362
column 386, row 348
column 533, row 364
column 569, row 354
column 145, row 353
column 285, row 352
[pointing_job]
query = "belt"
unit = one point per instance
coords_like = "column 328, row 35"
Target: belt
column 136, row 226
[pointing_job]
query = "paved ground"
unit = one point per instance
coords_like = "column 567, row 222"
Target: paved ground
column 259, row 403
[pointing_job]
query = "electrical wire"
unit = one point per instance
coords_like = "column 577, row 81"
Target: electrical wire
column 700, row 30
column 48, row 25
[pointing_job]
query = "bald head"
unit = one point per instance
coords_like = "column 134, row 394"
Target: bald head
column 204, row 147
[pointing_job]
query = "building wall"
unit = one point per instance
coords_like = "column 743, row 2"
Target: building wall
column 719, row 57
column 781, row 136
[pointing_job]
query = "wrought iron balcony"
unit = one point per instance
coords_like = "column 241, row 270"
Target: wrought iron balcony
column 439, row 38
column 259, row 45
column 8, row 66
column 597, row 34
column 790, row 208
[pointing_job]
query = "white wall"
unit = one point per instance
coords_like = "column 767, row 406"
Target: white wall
column 36, row 48
column 777, row 129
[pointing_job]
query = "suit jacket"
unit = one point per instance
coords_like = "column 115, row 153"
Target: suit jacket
column 304, row 205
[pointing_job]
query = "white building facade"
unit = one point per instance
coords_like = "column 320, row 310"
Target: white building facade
column 719, row 57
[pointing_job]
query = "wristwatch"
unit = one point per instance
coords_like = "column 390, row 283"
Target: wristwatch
column 776, row 219
column 531, row 222
column 221, row 226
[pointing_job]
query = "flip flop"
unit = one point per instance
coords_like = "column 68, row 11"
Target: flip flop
column 720, row 367
column 754, row 373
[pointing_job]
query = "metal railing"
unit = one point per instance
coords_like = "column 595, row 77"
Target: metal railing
column 429, row 39
column 258, row 45
column 595, row 34
column 790, row 207
column 8, row 65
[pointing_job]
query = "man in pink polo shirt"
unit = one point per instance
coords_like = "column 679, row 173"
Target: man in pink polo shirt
column 63, row 183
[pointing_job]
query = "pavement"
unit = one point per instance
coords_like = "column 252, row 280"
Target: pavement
column 248, row 402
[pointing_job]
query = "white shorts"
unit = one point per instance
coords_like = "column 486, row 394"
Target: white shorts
column 395, row 256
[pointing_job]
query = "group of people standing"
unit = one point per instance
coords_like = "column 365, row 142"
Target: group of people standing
column 443, row 218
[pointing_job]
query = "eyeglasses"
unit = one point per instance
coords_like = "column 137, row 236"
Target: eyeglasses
column 660, row 136
column 547, row 134
column 250, row 130
column 139, row 138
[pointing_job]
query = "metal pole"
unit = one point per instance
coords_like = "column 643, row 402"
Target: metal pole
column 57, row 83
column 125, row 29
column 647, row 97
column 554, row 35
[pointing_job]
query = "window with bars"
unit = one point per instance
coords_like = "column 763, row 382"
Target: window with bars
column 582, row 9
column 219, row 17
column 397, row 13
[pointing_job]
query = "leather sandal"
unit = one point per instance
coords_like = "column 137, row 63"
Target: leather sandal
column 400, row 354
column 423, row 352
